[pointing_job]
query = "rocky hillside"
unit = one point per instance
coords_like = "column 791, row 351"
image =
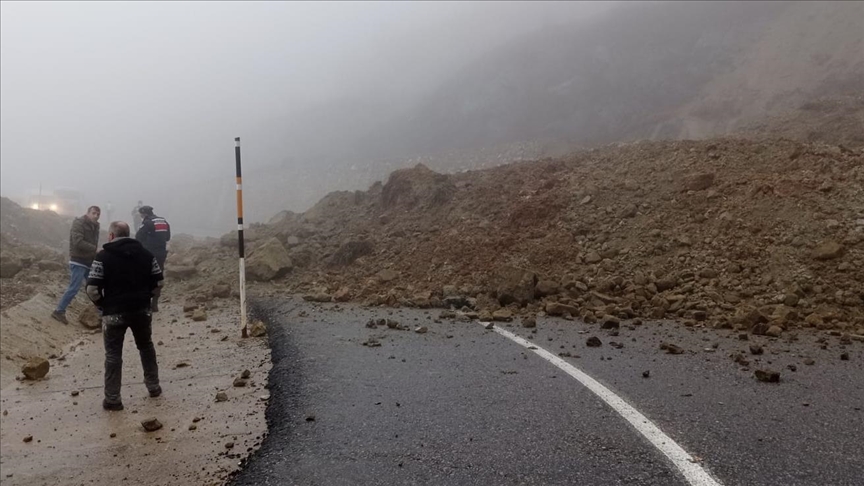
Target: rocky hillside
column 725, row 232
column 662, row 70
column 835, row 120
column 673, row 70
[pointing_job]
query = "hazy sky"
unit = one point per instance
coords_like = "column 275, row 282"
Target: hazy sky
column 122, row 100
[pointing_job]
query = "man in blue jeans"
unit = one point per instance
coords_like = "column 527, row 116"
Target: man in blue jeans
column 83, row 243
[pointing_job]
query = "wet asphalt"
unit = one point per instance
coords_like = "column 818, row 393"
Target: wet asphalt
column 464, row 405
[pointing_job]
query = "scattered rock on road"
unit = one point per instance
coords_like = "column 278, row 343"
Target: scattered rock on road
column 593, row 342
column 220, row 291
column 502, row 315
column 258, row 329
column 221, row 397
column 767, row 376
column 320, row 297
column 610, row 322
column 36, row 368
column 199, row 315
column 421, row 330
column 671, row 348
column 756, row 349
column 151, row 425
column 529, row 322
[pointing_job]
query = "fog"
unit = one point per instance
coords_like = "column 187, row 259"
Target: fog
column 128, row 101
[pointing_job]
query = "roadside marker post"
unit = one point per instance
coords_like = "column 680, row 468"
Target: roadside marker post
column 240, row 247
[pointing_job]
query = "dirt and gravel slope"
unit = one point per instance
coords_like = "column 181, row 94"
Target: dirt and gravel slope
column 727, row 232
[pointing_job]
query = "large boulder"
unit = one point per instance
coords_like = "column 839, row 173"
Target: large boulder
column 417, row 187
column 350, row 251
column 828, row 250
column 547, row 287
column 90, row 318
column 558, row 309
column 250, row 235
column 269, row 261
column 515, row 285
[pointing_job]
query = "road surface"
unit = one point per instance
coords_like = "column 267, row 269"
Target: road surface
column 461, row 404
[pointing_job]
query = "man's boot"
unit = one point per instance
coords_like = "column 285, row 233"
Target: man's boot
column 60, row 317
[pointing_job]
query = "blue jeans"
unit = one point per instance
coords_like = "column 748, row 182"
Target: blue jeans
column 78, row 277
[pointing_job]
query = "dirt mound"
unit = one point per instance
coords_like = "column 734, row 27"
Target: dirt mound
column 416, row 188
column 28, row 331
column 25, row 226
column 717, row 231
column 25, row 269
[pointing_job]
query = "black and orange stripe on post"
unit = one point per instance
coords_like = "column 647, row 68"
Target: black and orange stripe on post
column 240, row 239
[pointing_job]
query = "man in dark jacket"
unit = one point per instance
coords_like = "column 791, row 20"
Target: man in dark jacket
column 154, row 234
column 124, row 278
column 83, row 241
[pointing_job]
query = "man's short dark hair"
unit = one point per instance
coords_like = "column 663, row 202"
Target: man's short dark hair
column 119, row 228
column 97, row 208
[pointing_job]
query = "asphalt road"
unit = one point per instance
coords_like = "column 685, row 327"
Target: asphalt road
column 464, row 405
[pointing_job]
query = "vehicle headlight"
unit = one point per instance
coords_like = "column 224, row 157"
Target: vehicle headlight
column 54, row 207
column 35, row 206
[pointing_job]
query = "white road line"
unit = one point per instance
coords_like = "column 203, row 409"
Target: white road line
column 695, row 474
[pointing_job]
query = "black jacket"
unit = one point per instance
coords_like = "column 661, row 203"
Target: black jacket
column 123, row 277
column 154, row 234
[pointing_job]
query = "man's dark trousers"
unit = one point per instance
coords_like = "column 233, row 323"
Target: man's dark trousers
column 114, row 332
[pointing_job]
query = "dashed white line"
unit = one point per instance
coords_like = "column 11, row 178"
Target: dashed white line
column 694, row 473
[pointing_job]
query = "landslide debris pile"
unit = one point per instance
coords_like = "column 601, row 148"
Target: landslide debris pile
column 31, row 251
column 25, row 226
column 728, row 232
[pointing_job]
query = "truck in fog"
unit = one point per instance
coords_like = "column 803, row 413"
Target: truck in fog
column 65, row 201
